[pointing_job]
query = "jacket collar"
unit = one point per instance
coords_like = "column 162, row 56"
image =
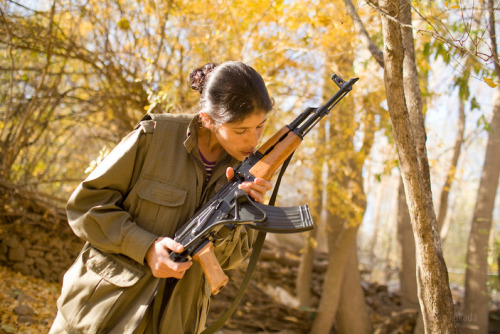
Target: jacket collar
column 191, row 142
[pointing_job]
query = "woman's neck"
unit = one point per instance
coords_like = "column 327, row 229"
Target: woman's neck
column 208, row 144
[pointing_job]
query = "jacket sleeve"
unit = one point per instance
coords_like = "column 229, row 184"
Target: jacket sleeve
column 95, row 211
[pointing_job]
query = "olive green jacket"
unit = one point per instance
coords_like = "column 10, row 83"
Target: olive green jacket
column 147, row 187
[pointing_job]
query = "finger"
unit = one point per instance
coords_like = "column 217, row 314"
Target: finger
column 173, row 245
column 258, row 184
column 262, row 189
column 229, row 173
column 170, row 268
column 179, row 275
column 180, row 266
column 255, row 194
column 174, row 275
column 268, row 185
column 169, row 273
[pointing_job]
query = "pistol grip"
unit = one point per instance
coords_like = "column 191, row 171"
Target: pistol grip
column 215, row 276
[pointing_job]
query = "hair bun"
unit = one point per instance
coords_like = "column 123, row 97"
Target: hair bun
column 198, row 77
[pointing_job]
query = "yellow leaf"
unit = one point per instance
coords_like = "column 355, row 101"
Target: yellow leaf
column 123, row 24
column 490, row 82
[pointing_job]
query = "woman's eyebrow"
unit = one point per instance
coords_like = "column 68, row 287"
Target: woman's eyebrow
column 246, row 127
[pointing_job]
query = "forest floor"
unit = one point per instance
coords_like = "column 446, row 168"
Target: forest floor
column 28, row 305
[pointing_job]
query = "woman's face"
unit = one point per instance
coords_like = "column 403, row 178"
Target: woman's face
column 240, row 139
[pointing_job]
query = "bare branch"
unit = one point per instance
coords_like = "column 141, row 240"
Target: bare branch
column 374, row 50
column 493, row 37
column 453, row 43
column 13, row 66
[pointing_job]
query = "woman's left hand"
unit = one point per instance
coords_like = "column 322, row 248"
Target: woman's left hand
column 256, row 189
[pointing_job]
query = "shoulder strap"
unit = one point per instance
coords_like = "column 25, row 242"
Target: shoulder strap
column 252, row 264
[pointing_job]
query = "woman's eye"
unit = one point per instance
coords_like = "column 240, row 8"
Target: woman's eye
column 240, row 132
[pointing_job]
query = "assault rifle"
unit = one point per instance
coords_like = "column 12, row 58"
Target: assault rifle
column 231, row 206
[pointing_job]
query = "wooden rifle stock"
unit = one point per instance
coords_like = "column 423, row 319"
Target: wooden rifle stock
column 213, row 271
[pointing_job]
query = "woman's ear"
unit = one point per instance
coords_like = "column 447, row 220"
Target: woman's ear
column 206, row 121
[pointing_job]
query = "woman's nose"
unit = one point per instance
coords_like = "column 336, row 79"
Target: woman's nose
column 253, row 138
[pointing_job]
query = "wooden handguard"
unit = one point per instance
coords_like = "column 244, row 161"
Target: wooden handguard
column 273, row 140
column 266, row 167
column 215, row 276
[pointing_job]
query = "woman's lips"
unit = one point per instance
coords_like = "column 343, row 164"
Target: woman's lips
column 247, row 152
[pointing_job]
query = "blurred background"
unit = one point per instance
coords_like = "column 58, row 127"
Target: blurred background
column 77, row 75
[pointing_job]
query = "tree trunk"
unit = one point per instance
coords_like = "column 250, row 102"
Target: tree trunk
column 341, row 233
column 412, row 95
column 304, row 276
column 408, row 267
column 337, row 261
column 407, row 271
column 445, row 191
column 352, row 316
column 415, row 110
column 476, row 275
column 345, row 197
column 372, row 258
column 433, row 287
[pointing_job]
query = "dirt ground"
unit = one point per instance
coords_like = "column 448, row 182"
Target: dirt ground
column 269, row 305
column 27, row 304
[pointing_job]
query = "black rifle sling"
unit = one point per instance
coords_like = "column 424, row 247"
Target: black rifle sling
column 252, row 264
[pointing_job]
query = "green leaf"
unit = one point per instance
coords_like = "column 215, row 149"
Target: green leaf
column 483, row 122
column 474, row 104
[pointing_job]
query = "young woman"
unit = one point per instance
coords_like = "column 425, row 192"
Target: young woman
column 129, row 208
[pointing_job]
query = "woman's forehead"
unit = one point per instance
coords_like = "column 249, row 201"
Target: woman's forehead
column 253, row 120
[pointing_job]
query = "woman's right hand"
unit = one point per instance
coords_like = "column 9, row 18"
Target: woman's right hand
column 158, row 259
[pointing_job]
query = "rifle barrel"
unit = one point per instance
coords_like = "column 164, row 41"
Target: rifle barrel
column 312, row 116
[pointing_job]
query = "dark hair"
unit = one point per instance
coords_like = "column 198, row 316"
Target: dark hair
column 231, row 91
